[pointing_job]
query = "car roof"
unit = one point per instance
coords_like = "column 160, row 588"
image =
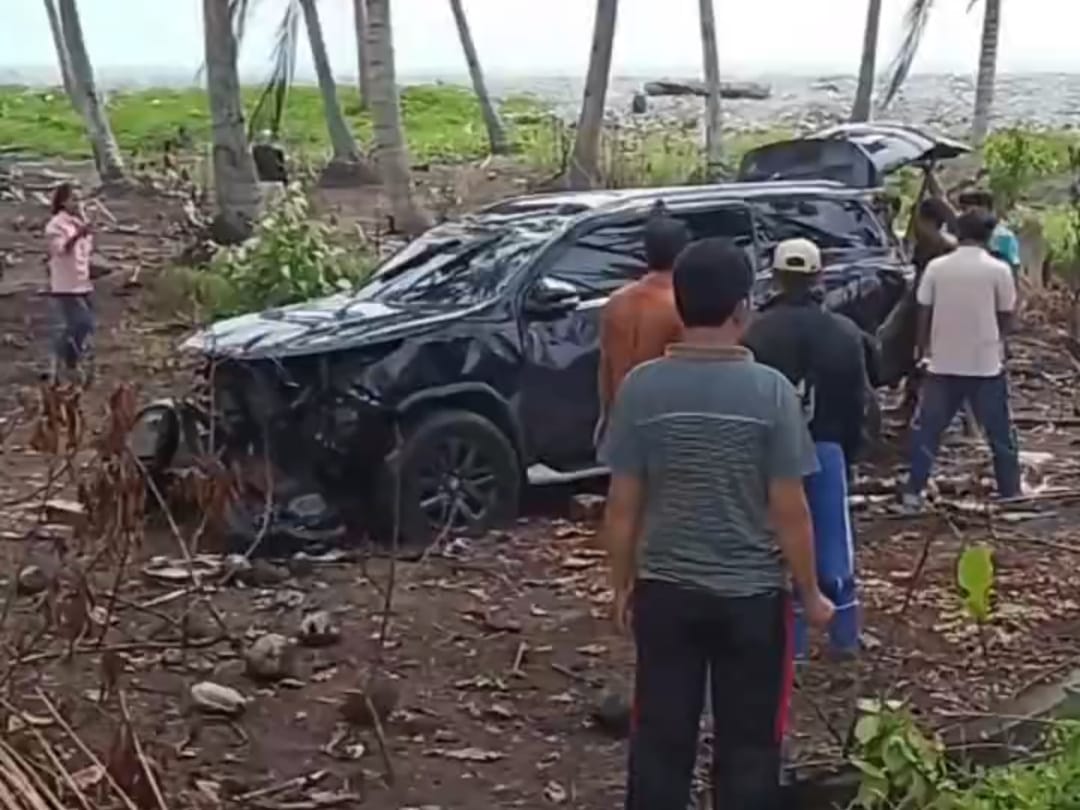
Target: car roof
column 569, row 203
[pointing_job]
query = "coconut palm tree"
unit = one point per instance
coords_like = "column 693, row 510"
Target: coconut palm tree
column 236, row 187
column 864, row 93
column 584, row 170
column 984, row 85
column 61, row 49
column 918, row 14
column 391, row 152
column 363, row 71
column 496, row 133
column 341, row 138
column 714, row 145
column 110, row 166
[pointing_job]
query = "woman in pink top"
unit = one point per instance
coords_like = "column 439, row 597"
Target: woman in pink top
column 69, row 245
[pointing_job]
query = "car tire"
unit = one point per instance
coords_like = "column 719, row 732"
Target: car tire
column 457, row 473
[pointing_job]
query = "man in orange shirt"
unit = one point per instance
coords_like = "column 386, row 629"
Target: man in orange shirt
column 641, row 320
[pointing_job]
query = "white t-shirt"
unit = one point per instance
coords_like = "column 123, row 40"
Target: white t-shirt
column 966, row 289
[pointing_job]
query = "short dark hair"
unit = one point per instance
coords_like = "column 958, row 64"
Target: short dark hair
column 61, row 194
column 979, row 198
column 975, row 226
column 665, row 238
column 712, row 277
column 934, row 210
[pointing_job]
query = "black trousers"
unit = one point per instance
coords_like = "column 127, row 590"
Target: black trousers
column 745, row 646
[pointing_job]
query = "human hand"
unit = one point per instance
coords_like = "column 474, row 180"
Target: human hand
column 623, row 610
column 818, row 610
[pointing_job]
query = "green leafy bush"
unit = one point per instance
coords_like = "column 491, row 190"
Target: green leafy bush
column 1016, row 159
column 290, row 257
column 901, row 767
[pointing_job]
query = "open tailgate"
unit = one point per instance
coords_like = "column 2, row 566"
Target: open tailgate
column 858, row 155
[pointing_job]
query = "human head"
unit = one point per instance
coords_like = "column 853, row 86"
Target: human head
column 975, row 227
column 665, row 237
column 930, row 216
column 712, row 284
column 977, row 200
column 65, row 197
column 796, row 265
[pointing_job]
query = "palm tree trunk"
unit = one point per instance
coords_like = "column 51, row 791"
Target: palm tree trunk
column 391, row 153
column 864, row 93
column 61, row 49
column 714, row 145
column 496, row 133
column 110, row 165
column 236, row 187
column 984, row 86
column 341, row 139
column 585, row 161
column 363, row 68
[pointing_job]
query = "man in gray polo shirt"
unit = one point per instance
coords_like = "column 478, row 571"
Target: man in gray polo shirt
column 706, row 516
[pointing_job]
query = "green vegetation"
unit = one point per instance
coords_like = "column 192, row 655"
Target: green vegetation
column 903, row 768
column 291, row 257
column 442, row 125
column 441, row 122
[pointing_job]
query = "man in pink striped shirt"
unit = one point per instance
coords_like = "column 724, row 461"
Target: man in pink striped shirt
column 70, row 242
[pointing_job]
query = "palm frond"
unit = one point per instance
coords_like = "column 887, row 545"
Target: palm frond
column 914, row 27
column 240, row 12
column 270, row 108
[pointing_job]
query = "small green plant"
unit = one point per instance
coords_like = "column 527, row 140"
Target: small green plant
column 290, row 257
column 901, row 767
column 1015, row 160
column 975, row 576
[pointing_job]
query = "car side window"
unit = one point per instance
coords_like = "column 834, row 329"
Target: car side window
column 606, row 258
column 831, row 224
column 602, row 260
column 729, row 222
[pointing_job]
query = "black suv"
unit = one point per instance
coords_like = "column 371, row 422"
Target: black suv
column 467, row 366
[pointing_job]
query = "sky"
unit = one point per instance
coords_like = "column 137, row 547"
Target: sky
column 551, row 37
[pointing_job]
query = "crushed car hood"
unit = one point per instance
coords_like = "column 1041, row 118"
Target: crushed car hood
column 859, row 155
column 323, row 325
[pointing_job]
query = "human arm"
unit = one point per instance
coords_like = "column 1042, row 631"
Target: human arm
column 622, row 533
column 791, row 457
column 621, row 450
column 924, row 298
column 1005, row 299
column 612, row 366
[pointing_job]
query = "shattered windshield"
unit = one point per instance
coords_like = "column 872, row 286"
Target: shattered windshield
column 463, row 268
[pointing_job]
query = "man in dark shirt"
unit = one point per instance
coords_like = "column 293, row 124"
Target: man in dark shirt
column 706, row 515
column 822, row 355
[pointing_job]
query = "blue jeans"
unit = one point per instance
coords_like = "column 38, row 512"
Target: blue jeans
column 941, row 397
column 74, row 327
column 834, row 549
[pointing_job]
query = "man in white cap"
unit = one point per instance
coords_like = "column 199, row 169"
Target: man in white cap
column 823, row 355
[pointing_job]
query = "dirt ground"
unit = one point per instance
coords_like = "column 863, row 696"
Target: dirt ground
column 498, row 652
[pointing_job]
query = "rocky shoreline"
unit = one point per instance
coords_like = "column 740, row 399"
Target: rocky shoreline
column 945, row 103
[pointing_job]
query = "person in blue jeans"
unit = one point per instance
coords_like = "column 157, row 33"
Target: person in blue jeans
column 824, row 356
column 966, row 303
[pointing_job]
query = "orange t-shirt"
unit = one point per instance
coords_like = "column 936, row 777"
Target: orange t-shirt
column 637, row 325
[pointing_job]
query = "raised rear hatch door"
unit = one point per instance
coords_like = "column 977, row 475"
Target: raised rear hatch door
column 857, row 155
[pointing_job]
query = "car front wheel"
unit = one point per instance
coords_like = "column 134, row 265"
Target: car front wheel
column 455, row 474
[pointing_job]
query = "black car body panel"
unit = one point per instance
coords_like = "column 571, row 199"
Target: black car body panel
column 498, row 314
column 857, row 155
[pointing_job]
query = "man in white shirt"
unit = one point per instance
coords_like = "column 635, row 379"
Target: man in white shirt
column 966, row 301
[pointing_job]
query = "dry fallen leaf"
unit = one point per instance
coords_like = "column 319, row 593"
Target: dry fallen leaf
column 467, row 754
column 555, row 793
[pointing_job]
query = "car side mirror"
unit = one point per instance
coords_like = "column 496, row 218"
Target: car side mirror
column 551, row 296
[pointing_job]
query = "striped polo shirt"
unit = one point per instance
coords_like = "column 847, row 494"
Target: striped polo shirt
column 706, row 429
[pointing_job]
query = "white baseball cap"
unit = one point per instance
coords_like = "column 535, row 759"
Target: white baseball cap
column 797, row 256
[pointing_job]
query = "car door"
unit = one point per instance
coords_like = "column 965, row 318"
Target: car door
column 560, row 399
column 559, row 403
